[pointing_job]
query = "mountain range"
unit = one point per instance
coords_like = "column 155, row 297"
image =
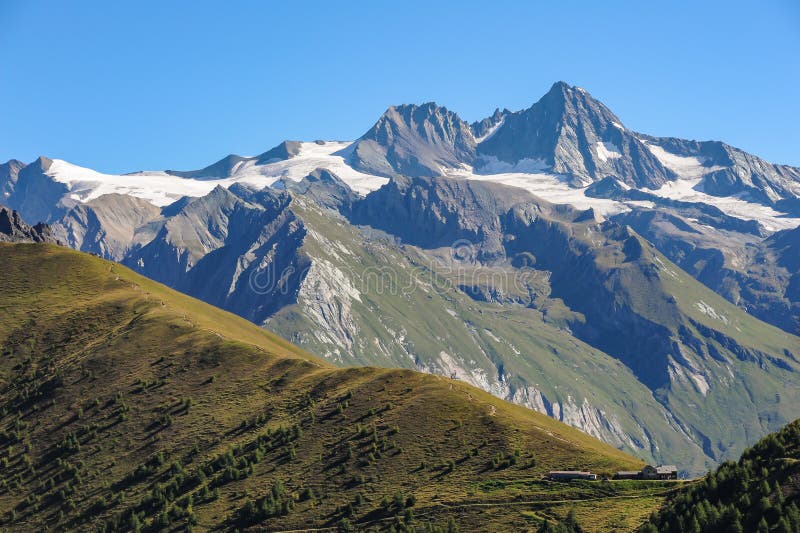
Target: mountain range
column 643, row 289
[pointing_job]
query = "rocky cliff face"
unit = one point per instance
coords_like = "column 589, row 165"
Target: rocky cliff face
column 37, row 196
column 569, row 132
column 14, row 229
column 735, row 172
column 9, row 173
column 413, row 140
column 324, row 188
column 483, row 129
column 111, row 226
column 237, row 249
column 437, row 212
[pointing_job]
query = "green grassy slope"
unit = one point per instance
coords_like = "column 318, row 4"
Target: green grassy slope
column 757, row 493
column 127, row 406
column 747, row 372
column 409, row 313
column 725, row 376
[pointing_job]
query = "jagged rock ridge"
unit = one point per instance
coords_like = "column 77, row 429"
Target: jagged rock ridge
column 14, row 229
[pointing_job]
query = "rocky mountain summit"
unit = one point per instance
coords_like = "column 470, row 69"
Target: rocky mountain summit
column 412, row 140
column 569, row 132
column 483, row 129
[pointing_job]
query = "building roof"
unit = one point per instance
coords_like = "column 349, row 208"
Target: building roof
column 628, row 473
column 568, row 472
column 666, row 469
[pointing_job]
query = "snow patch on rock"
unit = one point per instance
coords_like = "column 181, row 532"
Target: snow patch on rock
column 606, row 150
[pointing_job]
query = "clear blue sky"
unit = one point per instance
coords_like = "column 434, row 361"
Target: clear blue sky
column 122, row 86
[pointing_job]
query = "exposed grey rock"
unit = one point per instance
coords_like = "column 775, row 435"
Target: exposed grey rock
column 282, row 152
column 412, row 140
column 481, row 129
column 9, row 172
column 37, row 196
column 735, row 172
column 237, row 249
column 728, row 256
column 569, row 132
column 323, row 187
column 110, row 226
column 220, row 169
column 438, row 212
column 225, row 166
column 14, row 229
column 786, row 247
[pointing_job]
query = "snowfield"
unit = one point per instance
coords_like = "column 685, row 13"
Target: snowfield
column 157, row 188
column 550, row 187
column 162, row 189
column 533, row 176
column 685, row 167
column 312, row 156
column 690, row 190
column 607, row 150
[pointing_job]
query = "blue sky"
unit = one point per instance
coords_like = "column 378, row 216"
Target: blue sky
column 123, row 86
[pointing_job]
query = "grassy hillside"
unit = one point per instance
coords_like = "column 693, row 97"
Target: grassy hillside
column 700, row 376
column 757, row 493
column 127, row 406
column 408, row 311
column 747, row 372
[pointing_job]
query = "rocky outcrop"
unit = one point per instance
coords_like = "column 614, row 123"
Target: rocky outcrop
column 415, row 141
column 323, row 187
column 483, row 129
column 228, row 164
column 569, row 132
column 282, row 152
column 441, row 212
column 235, row 248
column 730, row 256
column 110, row 226
column 9, row 173
column 14, row 229
column 735, row 172
column 37, row 196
